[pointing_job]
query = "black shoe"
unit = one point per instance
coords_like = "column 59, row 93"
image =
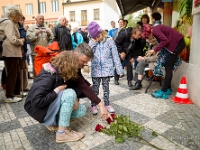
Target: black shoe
column 116, row 82
column 130, row 84
column 136, row 87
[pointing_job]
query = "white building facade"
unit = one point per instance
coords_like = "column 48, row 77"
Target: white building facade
column 81, row 13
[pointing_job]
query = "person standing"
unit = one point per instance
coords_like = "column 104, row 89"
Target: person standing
column 84, row 33
column 77, row 38
column 112, row 32
column 128, row 45
column 12, row 52
column 38, row 34
column 165, row 35
column 62, row 34
column 105, row 58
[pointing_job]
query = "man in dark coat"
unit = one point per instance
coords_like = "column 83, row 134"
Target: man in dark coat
column 128, row 45
column 62, row 35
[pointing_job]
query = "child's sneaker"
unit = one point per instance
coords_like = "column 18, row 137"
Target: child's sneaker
column 13, row 100
column 110, row 109
column 94, row 110
column 160, row 94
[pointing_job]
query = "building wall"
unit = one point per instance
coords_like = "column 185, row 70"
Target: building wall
column 192, row 69
column 106, row 13
column 49, row 15
column 110, row 14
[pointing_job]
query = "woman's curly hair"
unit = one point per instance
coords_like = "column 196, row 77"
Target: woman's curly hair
column 67, row 64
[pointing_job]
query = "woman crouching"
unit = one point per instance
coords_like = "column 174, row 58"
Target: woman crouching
column 50, row 103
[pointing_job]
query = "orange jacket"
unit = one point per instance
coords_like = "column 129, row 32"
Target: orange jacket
column 44, row 55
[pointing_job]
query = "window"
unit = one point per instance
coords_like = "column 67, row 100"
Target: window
column 83, row 17
column 54, row 6
column 72, row 16
column 96, row 14
column 29, row 9
column 42, row 7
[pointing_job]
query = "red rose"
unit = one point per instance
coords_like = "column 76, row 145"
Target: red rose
column 109, row 120
column 113, row 116
column 98, row 128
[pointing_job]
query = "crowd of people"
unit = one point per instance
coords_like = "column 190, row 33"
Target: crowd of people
column 54, row 96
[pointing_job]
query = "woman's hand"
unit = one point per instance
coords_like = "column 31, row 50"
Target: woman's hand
column 140, row 58
column 122, row 55
column 60, row 88
column 104, row 113
column 149, row 53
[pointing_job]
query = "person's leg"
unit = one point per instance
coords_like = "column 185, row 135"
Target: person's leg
column 33, row 59
column 171, row 60
column 13, row 83
column 129, row 71
column 140, row 71
column 80, row 112
column 106, row 92
column 3, row 78
column 95, row 87
column 116, row 77
column 64, row 134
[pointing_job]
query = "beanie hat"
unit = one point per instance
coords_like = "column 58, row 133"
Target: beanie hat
column 94, row 29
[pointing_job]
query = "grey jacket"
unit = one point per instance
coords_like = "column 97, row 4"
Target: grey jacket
column 41, row 39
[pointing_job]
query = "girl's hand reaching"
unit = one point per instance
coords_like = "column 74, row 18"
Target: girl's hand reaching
column 60, row 88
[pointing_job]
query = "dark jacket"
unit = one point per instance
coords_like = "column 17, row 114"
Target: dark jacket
column 22, row 33
column 123, row 41
column 167, row 37
column 63, row 37
column 82, row 86
column 42, row 94
column 85, row 36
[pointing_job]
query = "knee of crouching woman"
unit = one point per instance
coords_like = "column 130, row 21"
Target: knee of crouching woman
column 69, row 95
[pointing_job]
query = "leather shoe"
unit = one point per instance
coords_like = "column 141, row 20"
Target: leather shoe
column 136, row 87
column 130, row 84
column 116, row 82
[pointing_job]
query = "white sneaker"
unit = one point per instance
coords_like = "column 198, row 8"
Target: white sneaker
column 24, row 94
column 12, row 100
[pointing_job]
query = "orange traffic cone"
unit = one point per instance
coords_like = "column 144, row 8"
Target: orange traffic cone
column 182, row 93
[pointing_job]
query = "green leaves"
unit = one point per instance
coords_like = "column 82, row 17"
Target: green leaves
column 123, row 128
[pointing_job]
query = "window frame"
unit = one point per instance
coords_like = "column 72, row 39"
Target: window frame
column 28, row 9
column 43, row 4
column 96, row 13
column 55, row 3
column 72, row 16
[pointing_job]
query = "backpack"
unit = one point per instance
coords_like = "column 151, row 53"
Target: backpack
column 2, row 40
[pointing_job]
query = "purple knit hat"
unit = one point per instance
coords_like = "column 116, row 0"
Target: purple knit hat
column 94, row 29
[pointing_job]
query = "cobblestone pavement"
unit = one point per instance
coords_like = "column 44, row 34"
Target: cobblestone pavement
column 178, row 125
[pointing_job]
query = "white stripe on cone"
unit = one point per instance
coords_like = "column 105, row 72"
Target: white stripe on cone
column 180, row 95
column 183, row 86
